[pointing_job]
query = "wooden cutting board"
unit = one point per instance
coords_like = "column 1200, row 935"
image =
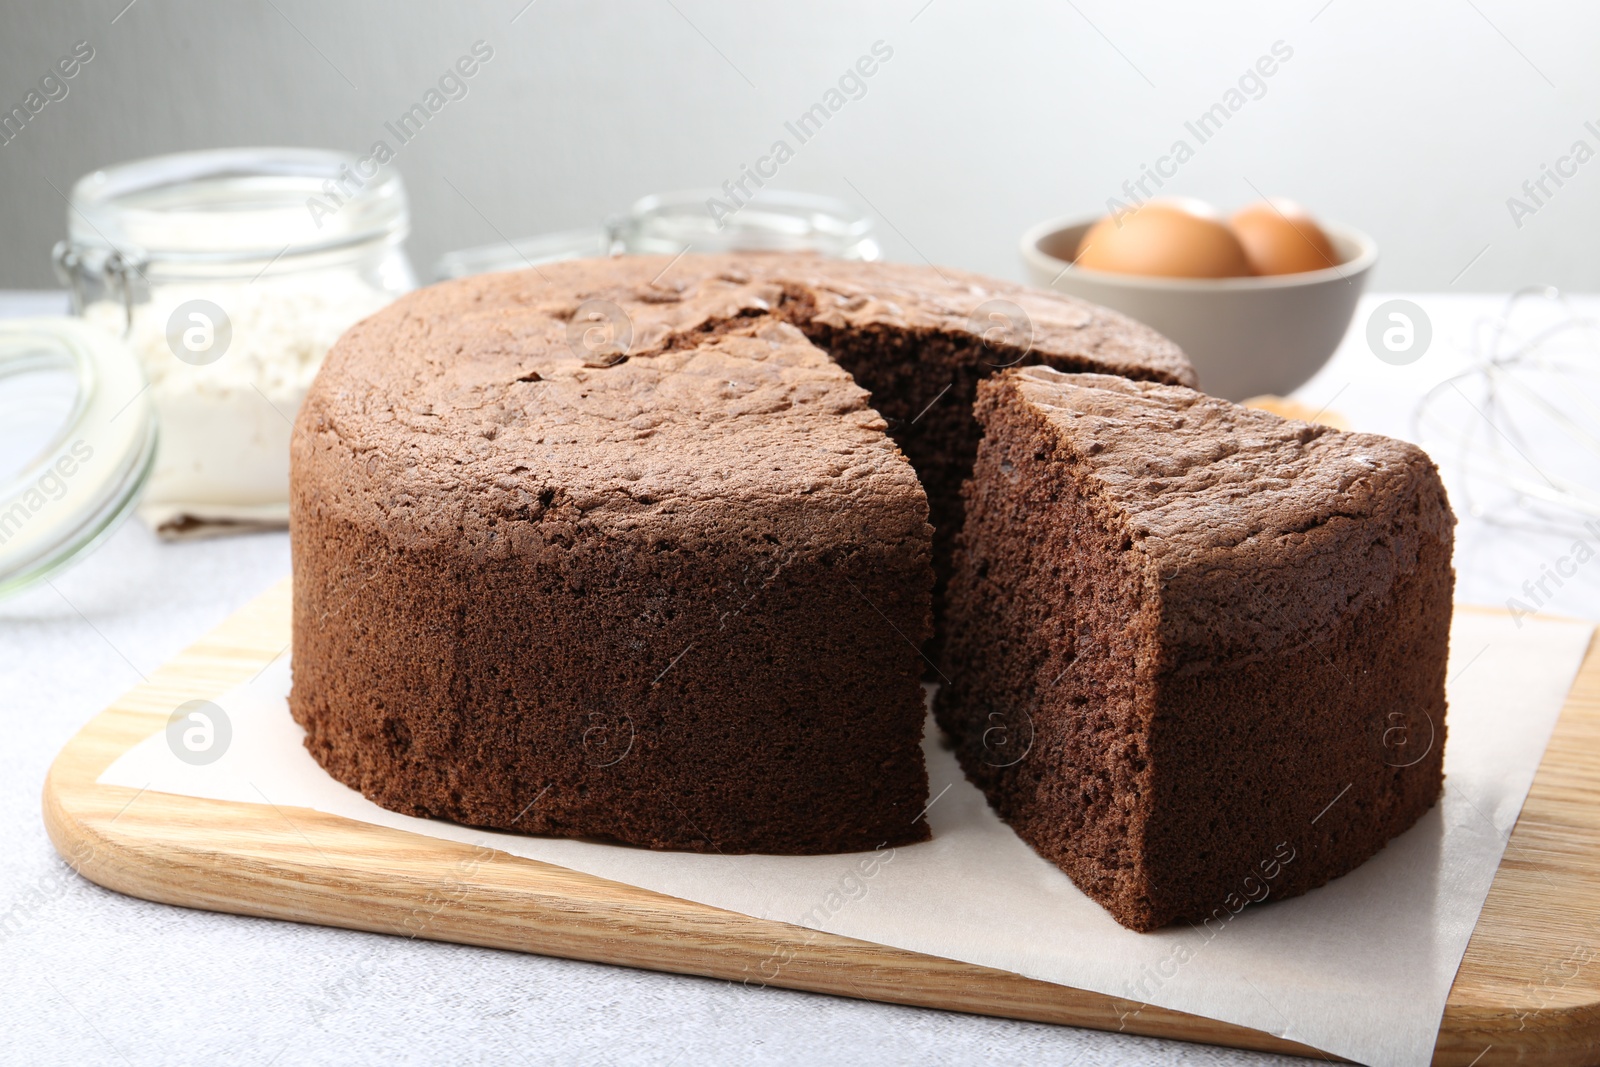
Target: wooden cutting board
column 1528, row 990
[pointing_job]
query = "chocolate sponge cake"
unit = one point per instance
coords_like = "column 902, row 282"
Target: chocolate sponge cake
column 1197, row 651
column 612, row 549
column 670, row 601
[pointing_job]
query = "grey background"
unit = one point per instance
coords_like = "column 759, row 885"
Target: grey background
column 1414, row 121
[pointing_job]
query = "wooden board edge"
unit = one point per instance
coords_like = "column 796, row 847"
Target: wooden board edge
column 81, row 828
column 1566, row 1029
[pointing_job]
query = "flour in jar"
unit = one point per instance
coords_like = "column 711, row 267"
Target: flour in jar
column 229, row 364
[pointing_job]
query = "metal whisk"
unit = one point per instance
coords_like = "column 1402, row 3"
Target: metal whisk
column 1526, row 440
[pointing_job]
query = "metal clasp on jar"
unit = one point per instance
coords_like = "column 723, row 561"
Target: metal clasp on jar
column 85, row 270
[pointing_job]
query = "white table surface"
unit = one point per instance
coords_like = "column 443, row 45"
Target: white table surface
column 92, row 977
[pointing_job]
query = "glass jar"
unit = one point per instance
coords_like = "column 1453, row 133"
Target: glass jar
column 230, row 273
column 77, row 442
column 773, row 220
column 530, row 252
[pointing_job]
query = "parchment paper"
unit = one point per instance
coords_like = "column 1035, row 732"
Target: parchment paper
column 1360, row 968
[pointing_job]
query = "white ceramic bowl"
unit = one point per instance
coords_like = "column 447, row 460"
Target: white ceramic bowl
column 1245, row 336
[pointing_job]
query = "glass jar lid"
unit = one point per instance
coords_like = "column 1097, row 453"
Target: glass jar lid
column 65, row 488
column 237, row 204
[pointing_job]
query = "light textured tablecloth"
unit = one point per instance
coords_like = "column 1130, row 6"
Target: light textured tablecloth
column 91, row 977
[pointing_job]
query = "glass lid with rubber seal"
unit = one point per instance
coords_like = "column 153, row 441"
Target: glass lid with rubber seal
column 77, row 441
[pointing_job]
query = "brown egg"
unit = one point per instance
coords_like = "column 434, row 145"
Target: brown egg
column 1281, row 237
column 1177, row 238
